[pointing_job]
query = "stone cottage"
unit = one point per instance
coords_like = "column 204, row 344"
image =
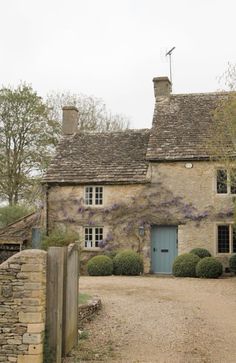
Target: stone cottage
column 155, row 191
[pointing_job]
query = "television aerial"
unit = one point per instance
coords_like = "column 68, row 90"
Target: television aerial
column 169, row 53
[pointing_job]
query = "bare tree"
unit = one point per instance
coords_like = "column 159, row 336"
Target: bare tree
column 93, row 114
column 223, row 130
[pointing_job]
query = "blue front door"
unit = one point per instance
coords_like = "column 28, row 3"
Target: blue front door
column 164, row 248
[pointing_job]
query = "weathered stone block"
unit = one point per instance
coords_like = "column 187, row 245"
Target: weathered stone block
column 40, row 293
column 31, row 276
column 31, row 302
column 33, row 285
column 36, row 328
column 25, row 317
column 32, row 309
column 23, row 347
column 14, row 341
column 30, row 358
column 12, row 359
column 35, row 349
column 15, row 266
column 7, row 277
column 30, row 267
column 32, row 338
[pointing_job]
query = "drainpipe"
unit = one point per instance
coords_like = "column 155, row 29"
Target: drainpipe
column 46, row 206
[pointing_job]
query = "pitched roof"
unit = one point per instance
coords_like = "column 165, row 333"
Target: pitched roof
column 109, row 157
column 180, row 126
column 21, row 229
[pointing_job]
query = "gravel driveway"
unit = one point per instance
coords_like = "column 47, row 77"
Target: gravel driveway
column 160, row 319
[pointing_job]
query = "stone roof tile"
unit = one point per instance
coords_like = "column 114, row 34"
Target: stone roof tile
column 181, row 126
column 109, row 157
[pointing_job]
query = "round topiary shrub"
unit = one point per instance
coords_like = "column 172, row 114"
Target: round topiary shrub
column 185, row 265
column 200, row 252
column 209, row 267
column 100, row 266
column 110, row 254
column 232, row 263
column 128, row 262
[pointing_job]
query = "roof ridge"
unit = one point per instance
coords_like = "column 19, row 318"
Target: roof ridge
column 112, row 131
column 216, row 93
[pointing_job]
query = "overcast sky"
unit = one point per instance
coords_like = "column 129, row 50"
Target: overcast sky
column 113, row 48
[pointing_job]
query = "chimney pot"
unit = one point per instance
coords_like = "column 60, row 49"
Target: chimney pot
column 69, row 120
column 162, row 87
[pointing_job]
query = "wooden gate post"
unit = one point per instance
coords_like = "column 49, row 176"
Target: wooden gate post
column 70, row 300
column 55, row 276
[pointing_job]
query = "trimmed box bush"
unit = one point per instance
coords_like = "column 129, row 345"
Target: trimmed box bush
column 209, row 267
column 128, row 262
column 232, row 263
column 100, row 266
column 185, row 265
column 200, row 252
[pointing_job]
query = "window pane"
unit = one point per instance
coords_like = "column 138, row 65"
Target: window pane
column 223, row 239
column 98, row 195
column 221, row 181
column 98, row 235
column 234, row 239
column 89, row 195
column 88, row 237
column 233, row 182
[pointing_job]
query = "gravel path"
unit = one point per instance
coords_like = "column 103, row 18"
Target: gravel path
column 160, row 319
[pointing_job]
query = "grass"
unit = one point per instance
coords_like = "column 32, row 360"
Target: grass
column 84, row 298
column 84, row 335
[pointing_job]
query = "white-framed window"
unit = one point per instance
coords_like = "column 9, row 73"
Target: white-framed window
column 93, row 195
column 225, row 181
column 226, row 238
column 92, row 236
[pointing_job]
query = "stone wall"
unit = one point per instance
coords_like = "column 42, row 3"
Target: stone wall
column 22, row 307
column 66, row 208
column 87, row 311
column 197, row 186
column 177, row 195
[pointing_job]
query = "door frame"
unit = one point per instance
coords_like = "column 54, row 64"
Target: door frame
column 151, row 246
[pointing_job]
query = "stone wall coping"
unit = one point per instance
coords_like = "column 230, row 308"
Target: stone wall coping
column 25, row 253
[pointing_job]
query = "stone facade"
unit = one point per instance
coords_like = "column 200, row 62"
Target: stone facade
column 22, row 307
column 197, row 187
column 175, row 195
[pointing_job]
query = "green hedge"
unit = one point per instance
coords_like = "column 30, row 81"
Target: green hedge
column 100, row 266
column 200, row 252
column 209, row 267
column 232, row 263
column 128, row 262
column 185, row 265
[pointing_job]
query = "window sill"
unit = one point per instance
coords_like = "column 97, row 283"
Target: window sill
column 222, row 254
column 226, row 194
column 95, row 205
column 91, row 249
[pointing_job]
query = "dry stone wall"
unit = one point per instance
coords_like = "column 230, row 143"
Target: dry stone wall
column 87, row 311
column 22, row 307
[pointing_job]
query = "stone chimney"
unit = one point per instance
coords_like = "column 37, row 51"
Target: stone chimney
column 162, row 87
column 69, row 120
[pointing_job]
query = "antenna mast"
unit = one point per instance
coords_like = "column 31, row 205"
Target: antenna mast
column 169, row 54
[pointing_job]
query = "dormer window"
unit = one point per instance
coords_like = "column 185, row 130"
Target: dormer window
column 93, row 195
